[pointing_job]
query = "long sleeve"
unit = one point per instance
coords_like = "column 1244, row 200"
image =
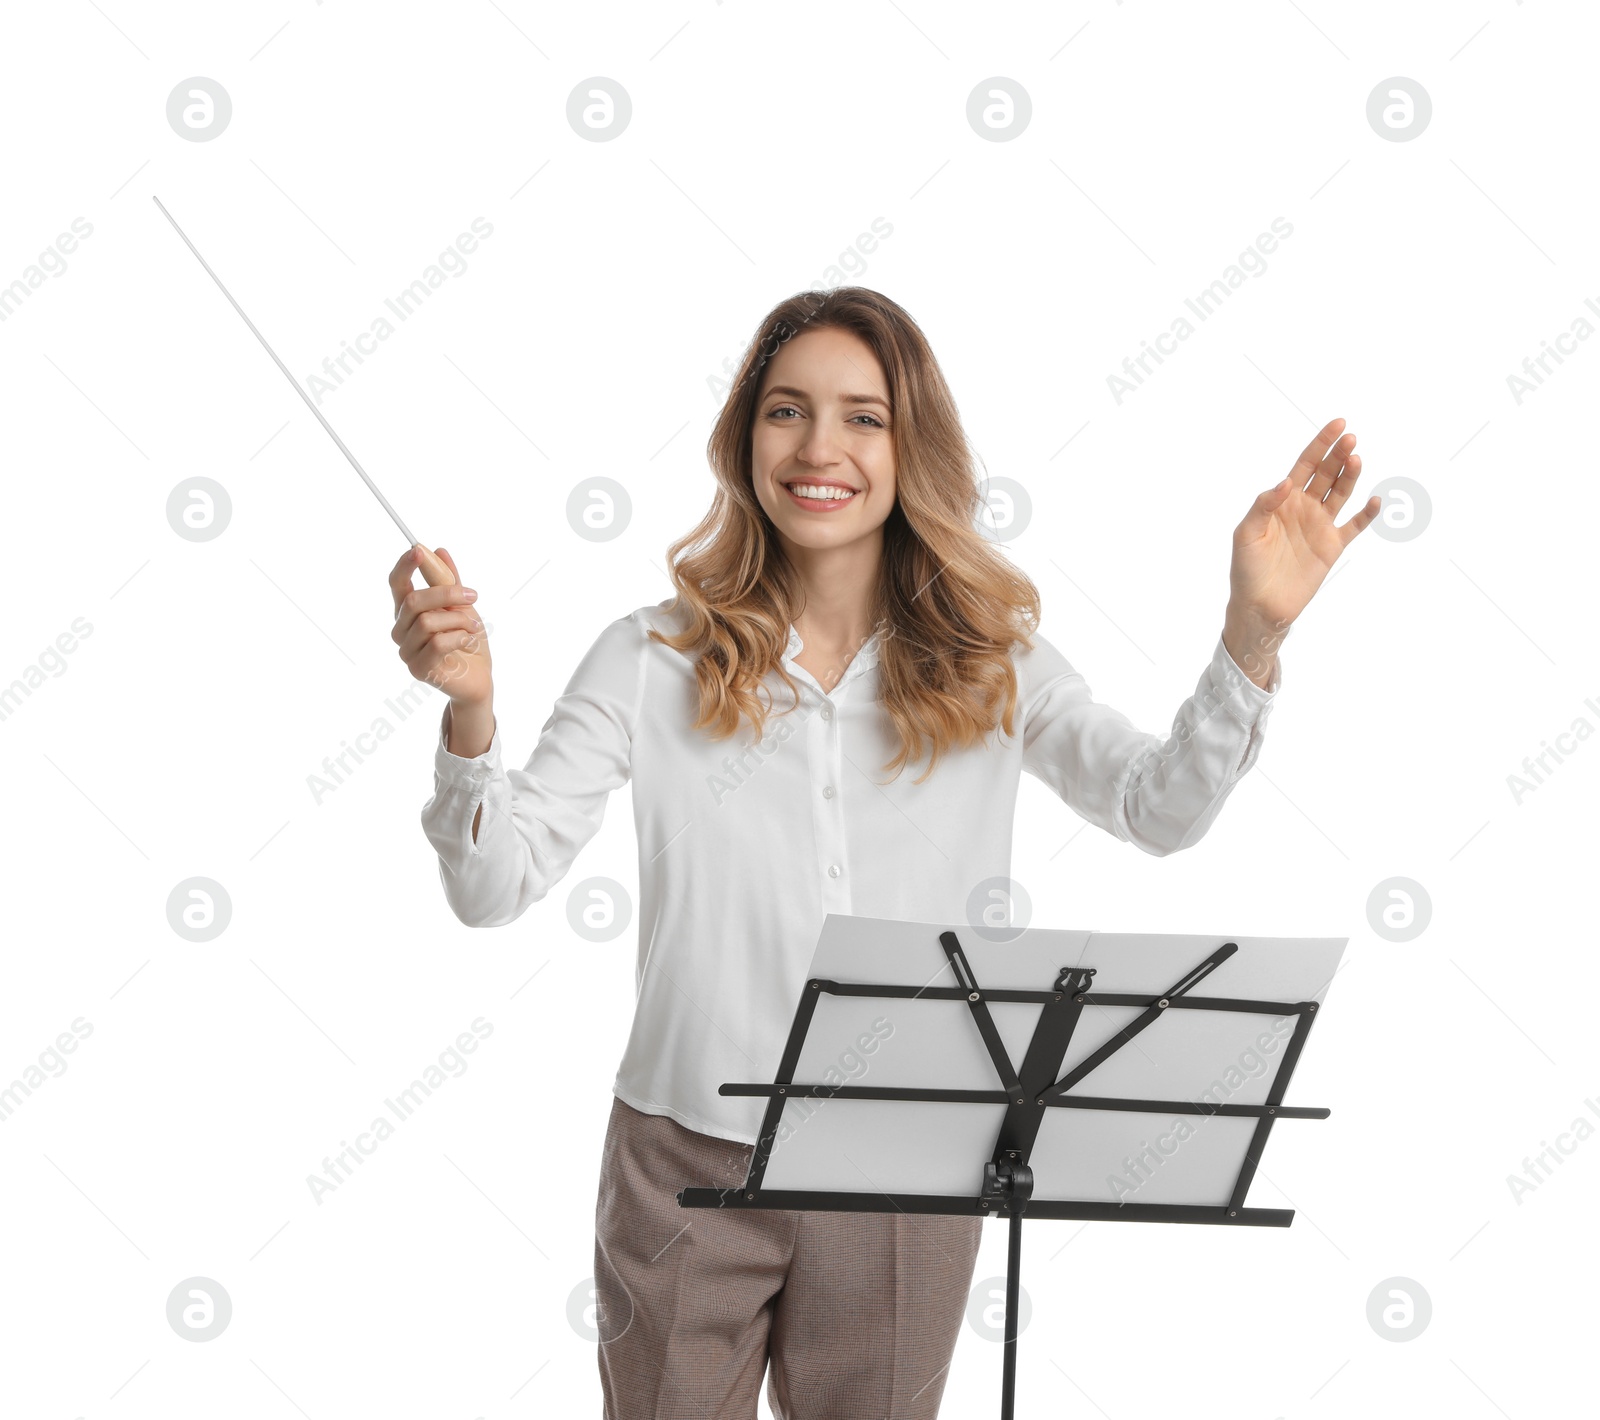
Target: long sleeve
column 1159, row 794
column 535, row 820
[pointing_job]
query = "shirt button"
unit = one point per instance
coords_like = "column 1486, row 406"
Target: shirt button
column 827, row 712
column 834, row 870
column 827, row 791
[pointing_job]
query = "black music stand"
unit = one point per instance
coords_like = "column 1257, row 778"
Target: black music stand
column 1064, row 1016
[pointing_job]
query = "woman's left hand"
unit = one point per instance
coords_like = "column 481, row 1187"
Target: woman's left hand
column 1287, row 544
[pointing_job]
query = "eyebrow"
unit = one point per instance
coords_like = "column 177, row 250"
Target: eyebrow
column 848, row 399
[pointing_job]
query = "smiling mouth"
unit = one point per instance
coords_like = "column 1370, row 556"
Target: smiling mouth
column 819, row 497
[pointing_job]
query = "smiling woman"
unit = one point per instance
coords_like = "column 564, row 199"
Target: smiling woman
column 843, row 558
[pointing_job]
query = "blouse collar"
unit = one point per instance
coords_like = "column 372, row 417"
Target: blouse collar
column 864, row 659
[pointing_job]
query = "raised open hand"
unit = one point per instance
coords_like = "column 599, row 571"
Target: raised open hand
column 1287, row 543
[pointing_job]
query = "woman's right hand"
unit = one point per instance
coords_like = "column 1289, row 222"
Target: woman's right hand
column 440, row 636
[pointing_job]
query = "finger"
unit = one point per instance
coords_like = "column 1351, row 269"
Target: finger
column 1361, row 520
column 1332, row 464
column 400, row 576
column 1311, row 455
column 1261, row 511
column 1343, row 485
column 448, row 560
column 416, row 601
column 435, row 623
column 431, row 623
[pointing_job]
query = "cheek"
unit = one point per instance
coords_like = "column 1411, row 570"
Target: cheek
column 768, row 449
column 883, row 482
column 882, row 499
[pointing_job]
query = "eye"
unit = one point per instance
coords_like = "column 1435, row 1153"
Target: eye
column 779, row 409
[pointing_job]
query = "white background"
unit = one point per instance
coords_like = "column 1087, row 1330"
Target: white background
column 177, row 738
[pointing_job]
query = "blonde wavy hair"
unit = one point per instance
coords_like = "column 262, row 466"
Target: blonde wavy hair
column 949, row 604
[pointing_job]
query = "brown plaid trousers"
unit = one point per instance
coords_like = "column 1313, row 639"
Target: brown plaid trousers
column 858, row 1313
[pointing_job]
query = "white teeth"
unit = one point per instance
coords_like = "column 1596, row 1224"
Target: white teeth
column 806, row 490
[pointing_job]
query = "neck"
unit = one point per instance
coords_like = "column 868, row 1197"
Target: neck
column 840, row 585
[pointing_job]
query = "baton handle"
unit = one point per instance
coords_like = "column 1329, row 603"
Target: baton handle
column 435, row 571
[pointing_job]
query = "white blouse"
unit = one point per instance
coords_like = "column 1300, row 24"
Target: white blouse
column 744, row 848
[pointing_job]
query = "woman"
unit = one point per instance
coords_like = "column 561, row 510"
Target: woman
column 842, row 566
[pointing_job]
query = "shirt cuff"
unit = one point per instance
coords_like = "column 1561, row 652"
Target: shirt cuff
column 1248, row 702
column 469, row 774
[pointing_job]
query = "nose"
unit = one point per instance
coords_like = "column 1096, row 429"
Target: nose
column 819, row 448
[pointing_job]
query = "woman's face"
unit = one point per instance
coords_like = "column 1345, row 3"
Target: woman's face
column 823, row 424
